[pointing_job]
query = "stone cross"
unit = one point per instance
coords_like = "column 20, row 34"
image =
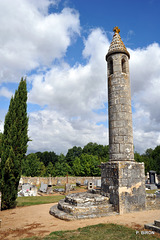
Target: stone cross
column 116, row 29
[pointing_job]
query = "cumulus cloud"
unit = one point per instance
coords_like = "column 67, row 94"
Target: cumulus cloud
column 52, row 131
column 4, row 92
column 72, row 94
column 30, row 38
column 145, row 86
column 144, row 67
column 76, row 90
column 73, row 97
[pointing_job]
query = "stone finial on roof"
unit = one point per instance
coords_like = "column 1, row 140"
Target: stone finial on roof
column 117, row 46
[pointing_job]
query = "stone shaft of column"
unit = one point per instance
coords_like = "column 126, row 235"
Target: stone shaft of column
column 120, row 112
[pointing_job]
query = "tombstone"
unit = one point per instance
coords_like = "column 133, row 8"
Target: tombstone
column 148, row 181
column 85, row 182
column 49, row 188
column 26, row 187
column 78, row 183
column 98, row 183
column 37, row 182
column 67, row 187
column 43, row 187
column 50, row 181
column 90, row 185
column 59, row 190
column 58, row 182
column 33, row 191
column 158, row 194
column 152, row 177
column 156, row 179
column 152, row 181
column 21, row 181
column 72, row 187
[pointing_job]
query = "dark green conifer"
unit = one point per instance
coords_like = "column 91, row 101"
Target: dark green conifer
column 14, row 145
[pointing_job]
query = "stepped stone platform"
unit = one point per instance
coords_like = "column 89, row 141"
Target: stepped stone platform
column 81, row 206
column 154, row 227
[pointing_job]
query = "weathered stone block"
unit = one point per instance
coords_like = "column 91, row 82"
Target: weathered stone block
column 126, row 108
column 113, row 116
column 118, row 124
column 115, row 132
column 119, row 139
column 125, row 184
column 114, row 148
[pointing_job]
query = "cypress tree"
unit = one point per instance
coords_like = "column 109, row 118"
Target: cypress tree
column 14, row 146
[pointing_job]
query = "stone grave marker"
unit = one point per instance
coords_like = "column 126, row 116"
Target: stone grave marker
column 43, row 187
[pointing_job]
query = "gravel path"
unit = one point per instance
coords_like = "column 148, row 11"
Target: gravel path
column 36, row 221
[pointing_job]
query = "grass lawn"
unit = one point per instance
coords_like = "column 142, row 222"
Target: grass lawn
column 28, row 201
column 98, row 232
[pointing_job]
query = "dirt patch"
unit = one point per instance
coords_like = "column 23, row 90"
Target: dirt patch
column 36, row 221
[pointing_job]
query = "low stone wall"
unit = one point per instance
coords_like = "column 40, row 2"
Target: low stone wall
column 152, row 202
column 56, row 180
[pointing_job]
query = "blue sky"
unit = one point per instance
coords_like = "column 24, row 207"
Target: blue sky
column 61, row 46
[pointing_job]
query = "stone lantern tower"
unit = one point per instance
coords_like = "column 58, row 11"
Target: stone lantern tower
column 119, row 97
column 122, row 178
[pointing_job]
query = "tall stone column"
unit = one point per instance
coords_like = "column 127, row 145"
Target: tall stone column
column 119, row 101
column 122, row 178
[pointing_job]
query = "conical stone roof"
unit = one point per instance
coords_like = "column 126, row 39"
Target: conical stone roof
column 117, row 46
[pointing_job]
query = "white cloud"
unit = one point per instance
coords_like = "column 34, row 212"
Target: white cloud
column 144, row 67
column 71, row 95
column 4, row 92
column 76, row 90
column 145, row 86
column 42, row 5
column 51, row 131
column 30, row 38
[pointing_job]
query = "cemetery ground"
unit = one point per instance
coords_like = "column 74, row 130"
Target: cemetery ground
column 35, row 220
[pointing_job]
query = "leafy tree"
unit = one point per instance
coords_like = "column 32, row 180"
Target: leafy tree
column 89, row 165
column 77, row 168
column 14, row 144
column 138, row 157
column 31, row 166
column 50, row 169
column 61, row 167
column 97, row 150
column 155, row 163
column 47, row 157
column 72, row 154
column 42, row 169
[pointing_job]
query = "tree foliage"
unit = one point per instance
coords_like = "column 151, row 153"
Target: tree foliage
column 77, row 162
column 14, row 145
column 151, row 159
column 47, row 157
column 86, row 161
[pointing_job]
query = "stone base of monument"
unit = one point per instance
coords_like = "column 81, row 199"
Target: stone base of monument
column 154, row 227
column 82, row 205
column 124, row 183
